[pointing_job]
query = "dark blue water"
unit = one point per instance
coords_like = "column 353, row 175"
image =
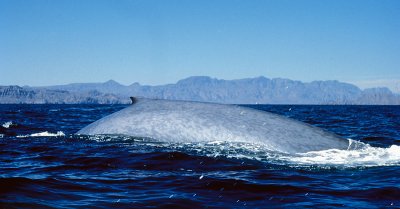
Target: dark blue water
column 44, row 165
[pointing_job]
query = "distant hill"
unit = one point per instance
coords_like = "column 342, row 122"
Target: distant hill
column 19, row 95
column 259, row 90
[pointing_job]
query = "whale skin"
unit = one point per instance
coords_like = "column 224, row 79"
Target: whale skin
column 186, row 122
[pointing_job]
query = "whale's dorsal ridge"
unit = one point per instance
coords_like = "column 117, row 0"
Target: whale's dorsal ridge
column 189, row 121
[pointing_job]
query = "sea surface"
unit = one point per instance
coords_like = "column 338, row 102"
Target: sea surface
column 43, row 164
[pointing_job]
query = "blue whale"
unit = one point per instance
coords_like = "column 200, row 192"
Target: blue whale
column 184, row 121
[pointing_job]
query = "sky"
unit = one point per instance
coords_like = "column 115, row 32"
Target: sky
column 47, row 42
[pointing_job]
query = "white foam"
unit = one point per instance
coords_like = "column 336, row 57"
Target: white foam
column 7, row 124
column 46, row 133
column 366, row 156
column 43, row 134
column 358, row 155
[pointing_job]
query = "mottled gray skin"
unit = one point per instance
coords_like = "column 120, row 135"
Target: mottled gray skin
column 182, row 121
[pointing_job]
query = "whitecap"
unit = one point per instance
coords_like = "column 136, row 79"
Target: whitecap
column 8, row 124
column 358, row 155
column 366, row 156
column 43, row 134
column 46, row 133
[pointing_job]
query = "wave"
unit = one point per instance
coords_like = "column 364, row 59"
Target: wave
column 365, row 156
column 43, row 134
column 8, row 124
column 358, row 154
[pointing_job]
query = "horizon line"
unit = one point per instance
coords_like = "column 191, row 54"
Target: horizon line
column 360, row 84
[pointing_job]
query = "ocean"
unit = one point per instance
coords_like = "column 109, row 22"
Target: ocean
column 44, row 164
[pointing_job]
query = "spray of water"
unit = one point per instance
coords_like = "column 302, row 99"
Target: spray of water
column 358, row 154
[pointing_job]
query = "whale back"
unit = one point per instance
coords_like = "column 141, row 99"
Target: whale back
column 183, row 121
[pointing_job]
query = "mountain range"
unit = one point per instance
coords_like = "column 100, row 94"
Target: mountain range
column 259, row 90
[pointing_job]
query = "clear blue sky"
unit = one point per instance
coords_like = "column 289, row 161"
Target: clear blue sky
column 47, row 42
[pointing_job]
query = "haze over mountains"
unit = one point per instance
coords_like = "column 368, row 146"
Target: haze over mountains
column 259, row 90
